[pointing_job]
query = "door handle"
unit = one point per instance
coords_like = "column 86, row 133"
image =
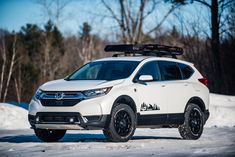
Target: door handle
column 185, row 84
column 163, row 85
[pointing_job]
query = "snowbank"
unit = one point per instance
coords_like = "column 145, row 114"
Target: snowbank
column 222, row 111
column 13, row 117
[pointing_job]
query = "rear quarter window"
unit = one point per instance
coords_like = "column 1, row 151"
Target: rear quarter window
column 186, row 70
column 169, row 70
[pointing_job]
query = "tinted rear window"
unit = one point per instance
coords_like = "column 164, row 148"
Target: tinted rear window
column 169, row 70
column 186, row 70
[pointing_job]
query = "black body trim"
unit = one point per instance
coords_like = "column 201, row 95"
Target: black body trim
column 97, row 121
column 126, row 100
column 102, row 121
column 195, row 100
column 160, row 119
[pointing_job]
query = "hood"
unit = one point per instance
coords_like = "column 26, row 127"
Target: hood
column 77, row 85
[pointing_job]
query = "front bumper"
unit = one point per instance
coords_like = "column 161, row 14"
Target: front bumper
column 67, row 121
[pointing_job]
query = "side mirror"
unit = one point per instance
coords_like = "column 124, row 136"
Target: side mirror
column 145, row 78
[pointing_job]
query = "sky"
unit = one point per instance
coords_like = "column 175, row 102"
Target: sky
column 16, row 13
column 13, row 14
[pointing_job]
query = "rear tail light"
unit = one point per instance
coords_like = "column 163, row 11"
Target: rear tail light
column 203, row 81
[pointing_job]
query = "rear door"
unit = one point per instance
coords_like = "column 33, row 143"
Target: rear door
column 177, row 88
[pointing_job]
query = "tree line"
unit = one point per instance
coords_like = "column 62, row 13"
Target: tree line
column 35, row 55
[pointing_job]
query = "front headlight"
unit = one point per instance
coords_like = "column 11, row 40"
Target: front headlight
column 96, row 92
column 37, row 94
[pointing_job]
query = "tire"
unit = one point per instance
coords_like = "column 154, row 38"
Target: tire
column 49, row 135
column 193, row 123
column 122, row 124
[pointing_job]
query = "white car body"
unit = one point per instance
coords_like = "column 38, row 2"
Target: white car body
column 169, row 97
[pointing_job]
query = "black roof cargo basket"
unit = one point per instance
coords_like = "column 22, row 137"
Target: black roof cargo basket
column 144, row 50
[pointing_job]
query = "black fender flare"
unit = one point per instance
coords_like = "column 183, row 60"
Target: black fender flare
column 126, row 100
column 122, row 99
column 198, row 101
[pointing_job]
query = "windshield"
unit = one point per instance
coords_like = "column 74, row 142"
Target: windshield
column 104, row 70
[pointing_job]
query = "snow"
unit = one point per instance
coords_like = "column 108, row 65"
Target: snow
column 165, row 142
column 222, row 113
column 215, row 141
column 13, row 117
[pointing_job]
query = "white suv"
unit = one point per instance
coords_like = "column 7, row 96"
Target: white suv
column 138, row 88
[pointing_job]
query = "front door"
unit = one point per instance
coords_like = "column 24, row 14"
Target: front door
column 152, row 96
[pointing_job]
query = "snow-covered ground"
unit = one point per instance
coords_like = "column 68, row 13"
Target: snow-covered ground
column 216, row 142
column 222, row 113
column 13, row 117
column 17, row 140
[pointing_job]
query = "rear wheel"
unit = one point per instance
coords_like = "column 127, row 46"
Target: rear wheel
column 122, row 124
column 193, row 123
column 49, row 135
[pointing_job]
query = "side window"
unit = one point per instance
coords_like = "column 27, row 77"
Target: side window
column 186, row 70
column 169, row 70
column 149, row 68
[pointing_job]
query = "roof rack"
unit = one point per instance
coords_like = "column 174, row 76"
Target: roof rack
column 144, row 50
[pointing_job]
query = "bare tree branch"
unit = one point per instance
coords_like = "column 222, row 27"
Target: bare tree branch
column 54, row 9
column 151, row 10
column 3, row 55
column 204, row 3
column 112, row 12
column 174, row 6
column 12, row 63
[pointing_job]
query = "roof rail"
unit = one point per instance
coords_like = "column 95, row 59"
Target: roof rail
column 144, row 50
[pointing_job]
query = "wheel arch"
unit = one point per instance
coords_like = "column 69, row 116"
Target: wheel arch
column 125, row 99
column 198, row 101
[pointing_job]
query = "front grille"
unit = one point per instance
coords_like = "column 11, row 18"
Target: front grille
column 63, row 102
column 61, row 98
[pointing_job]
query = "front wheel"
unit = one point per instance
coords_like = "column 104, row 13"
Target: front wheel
column 193, row 123
column 122, row 124
column 49, row 135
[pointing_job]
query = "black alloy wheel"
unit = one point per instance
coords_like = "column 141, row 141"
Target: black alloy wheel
column 192, row 127
column 122, row 124
column 195, row 121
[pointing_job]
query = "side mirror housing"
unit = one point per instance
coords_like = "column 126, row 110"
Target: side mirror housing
column 145, row 78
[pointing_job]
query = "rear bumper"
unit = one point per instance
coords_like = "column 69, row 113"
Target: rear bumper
column 67, row 121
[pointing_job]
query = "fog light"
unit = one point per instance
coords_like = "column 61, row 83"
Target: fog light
column 37, row 119
column 71, row 120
